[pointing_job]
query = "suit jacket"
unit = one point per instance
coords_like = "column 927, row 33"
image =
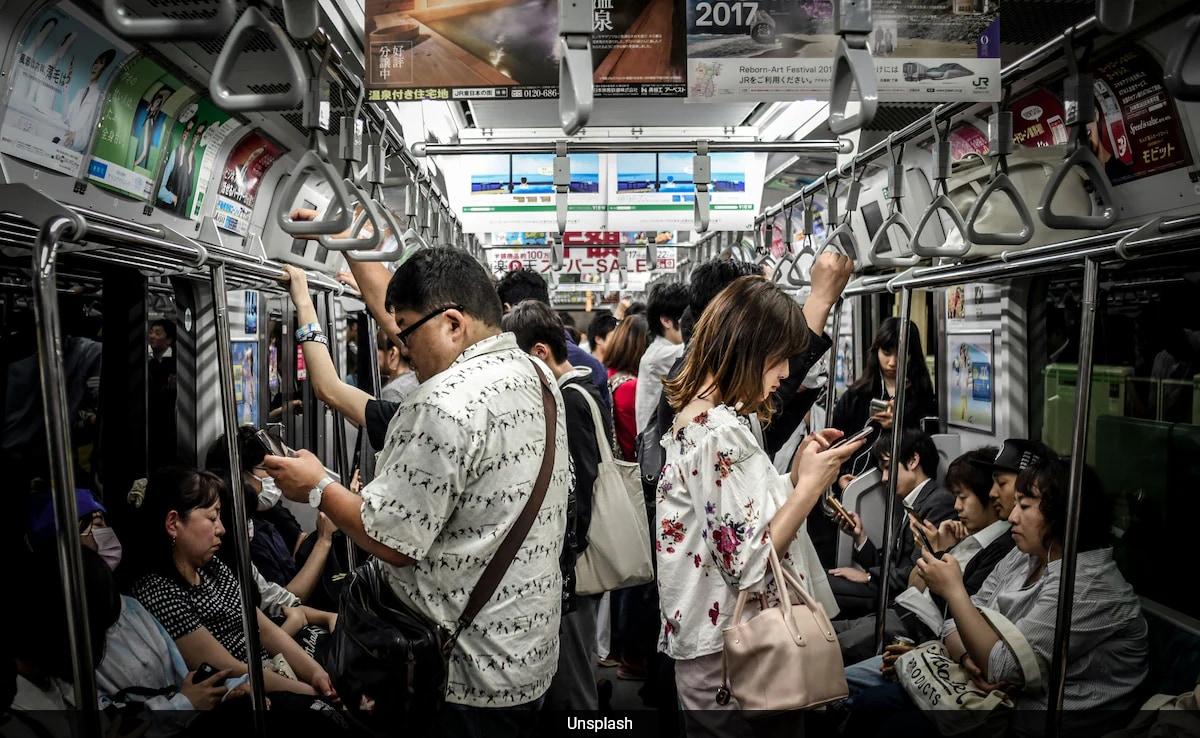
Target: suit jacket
column 935, row 504
column 981, row 565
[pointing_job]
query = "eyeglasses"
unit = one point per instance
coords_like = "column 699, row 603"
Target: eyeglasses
column 404, row 335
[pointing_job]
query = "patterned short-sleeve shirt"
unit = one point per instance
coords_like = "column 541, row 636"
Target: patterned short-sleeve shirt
column 461, row 458
column 215, row 603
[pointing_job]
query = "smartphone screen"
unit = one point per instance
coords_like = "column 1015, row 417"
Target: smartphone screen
column 270, row 444
column 913, row 512
column 866, row 432
column 878, row 406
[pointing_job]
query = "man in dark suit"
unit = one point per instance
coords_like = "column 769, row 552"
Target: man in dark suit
column 857, row 590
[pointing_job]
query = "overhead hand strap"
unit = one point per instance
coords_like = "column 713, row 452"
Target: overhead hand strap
column 841, row 238
column 1000, row 133
column 562, row 184
column 852, row 65
column 170, row 29
column 942, row 161
column 1079, row 103
column 1114, row 16
column 789, row 235
column 622, row 269
column 393, row 247
column 219, row 87
column 702, row 177
column 575, row 86
column 556, row 254
column 351, row 148
column 1183, row 64
column 302, row 18
column 1147, row 230
column 895, row 218
column 651, row 255
column 340, row 212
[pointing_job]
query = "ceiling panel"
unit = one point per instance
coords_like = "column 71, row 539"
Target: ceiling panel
column 610, row 112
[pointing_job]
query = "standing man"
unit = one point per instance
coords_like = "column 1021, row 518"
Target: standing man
column 461, row 459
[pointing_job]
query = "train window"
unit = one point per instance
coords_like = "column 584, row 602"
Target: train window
column 1144, row 417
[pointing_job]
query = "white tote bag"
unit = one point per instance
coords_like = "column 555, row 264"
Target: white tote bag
column 618, row 552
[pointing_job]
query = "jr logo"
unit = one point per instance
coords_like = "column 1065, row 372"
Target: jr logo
column 981, row 82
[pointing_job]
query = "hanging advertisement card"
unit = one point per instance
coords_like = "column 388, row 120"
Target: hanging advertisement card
column 970, row 378
column 923, row 50
column 502, row 192
column 245, row 381
column 182, row 182
column 135, row 128
column 509, row 49
column 660, row 190
column 58, row 77
column 244, row 170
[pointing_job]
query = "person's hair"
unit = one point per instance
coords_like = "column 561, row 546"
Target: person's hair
column 913, row 442
column 567, row 319
column 706, row 283
column 626, row 344
column 108, row 56
column 177, row 488
column 665, row 301
column 386, row 344
column 601, row 325
column 637, row 307
column 436, row 277
column 887, row 338
column 534, row 322
column 168, row 327
column 523, row 284
column 41, row 620
column 1050, row 478
column 963, row 473
column 749, row 327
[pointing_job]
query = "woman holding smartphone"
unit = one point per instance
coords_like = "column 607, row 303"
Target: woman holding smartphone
column 721, row 506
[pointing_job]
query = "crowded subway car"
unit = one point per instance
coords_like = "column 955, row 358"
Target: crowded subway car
column 826, row 368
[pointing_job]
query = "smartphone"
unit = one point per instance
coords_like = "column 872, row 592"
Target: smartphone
column 878, row 406
column 866, row 432
column 271, row 444
column 913, row 512
column 925, row 539
column 841, row 511
column 203, row 673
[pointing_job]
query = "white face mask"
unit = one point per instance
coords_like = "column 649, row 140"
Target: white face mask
column 108, row 546
column 269, row 496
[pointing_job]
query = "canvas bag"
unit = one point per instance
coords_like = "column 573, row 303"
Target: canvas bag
column 1029, row 169
column 786, row 657
column 1165, row 716
column 618, row 552
column 944, row 691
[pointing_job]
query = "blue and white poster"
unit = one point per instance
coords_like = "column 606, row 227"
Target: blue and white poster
column 972, row 392
column 59, row 75
column 245, row 381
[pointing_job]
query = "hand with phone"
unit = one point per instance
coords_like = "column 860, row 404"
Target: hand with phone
column 850, row 524
column 817, row 463
column 205, row 687
column 881, row 412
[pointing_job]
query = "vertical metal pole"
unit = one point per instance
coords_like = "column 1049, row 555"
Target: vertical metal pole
column 941, row 386
column 366, row 459
column 1066, row 584
column 831, row 372
column 62, row 473
column 287, row 372
column 241, row 537
column 893, row 529
column 340, row 460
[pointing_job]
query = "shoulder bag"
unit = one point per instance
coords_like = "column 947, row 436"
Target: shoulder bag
column 786, row 657
column 618, row 552
column 386, row 659
column 946, row 694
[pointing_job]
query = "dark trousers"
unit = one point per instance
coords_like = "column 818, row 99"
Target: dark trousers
column 854, row 599
column 519, row 721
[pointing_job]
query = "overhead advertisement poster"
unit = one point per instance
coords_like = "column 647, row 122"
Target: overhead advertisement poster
column 58, row 77
column 200, row 127
column 244, row 170
column 924, row 50
column 659, row 190
column 135, row 127
column 502, row 192
column 509, row 49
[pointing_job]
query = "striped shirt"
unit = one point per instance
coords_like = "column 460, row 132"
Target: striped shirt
column 1109, row 648
column 461, row 458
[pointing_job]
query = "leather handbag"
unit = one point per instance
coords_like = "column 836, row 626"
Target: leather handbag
column 388, row 660
column 786, row 657
column 618, row 551
column 1029, row 169
column 944, row 690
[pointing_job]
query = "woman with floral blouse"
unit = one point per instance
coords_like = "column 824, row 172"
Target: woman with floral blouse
column 721, row 503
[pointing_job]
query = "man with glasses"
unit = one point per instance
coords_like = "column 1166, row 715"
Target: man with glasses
column 460, row 461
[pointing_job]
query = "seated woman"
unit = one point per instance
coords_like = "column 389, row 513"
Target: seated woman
column 1108, row 652
column 140, row 664
column 195, row 595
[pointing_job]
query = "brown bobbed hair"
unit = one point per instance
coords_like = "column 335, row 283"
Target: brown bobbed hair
column 626, row 344
column 748, row 327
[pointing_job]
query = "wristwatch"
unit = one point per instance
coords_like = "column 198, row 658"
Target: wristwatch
column 314, row 494
column 868, row 576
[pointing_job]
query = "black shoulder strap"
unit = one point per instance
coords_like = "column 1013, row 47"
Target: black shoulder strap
column 496, row 568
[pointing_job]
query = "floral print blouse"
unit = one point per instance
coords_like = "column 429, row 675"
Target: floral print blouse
column 716, row 498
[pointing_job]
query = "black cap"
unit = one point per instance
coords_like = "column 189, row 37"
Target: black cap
column 1015, row 454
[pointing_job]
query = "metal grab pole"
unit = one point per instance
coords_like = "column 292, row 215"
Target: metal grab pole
column 366, row 459
column 835, row 146
column 62, row 474
column 1066, row 582
column 831, row 372
column 893, row 530
column 340, row 461
column 241, row 537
